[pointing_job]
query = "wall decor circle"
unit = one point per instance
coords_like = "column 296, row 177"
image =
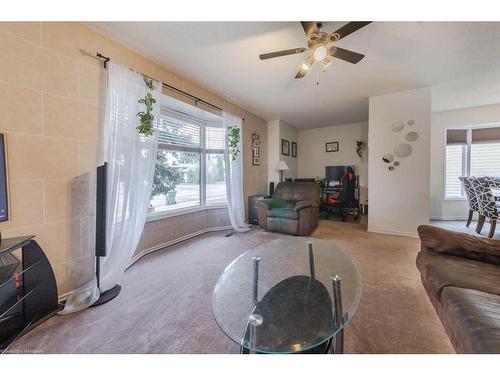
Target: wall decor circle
column 403, row 150
column 411, row 136
column 388, row 158
column 397, row 126
column 396, row 163
column 410, row 122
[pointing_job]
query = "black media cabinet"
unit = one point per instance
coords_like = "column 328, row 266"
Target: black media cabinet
column 253, row 216
column 28, row 289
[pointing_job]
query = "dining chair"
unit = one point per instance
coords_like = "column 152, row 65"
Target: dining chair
column 488, row 206
column 471, row 198
column 494, row 183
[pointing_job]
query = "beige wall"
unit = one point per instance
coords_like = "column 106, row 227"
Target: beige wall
column 291, row 135
column 273, row 150
column 399, row 200
column 276, row 131
column 50, row 100
column 161, row 233
column 313, row 158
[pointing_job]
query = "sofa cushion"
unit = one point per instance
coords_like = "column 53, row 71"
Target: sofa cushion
column 460, row 244
column 285, row 212
column 282, row 225
column 300, row 205
column 472, row 320
column 439, row 270
column 298, row 191
column 279, row 203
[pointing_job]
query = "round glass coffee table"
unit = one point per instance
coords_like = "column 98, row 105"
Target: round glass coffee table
column 290, row 295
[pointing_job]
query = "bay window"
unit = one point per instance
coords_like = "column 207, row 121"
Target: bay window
column 190, row 170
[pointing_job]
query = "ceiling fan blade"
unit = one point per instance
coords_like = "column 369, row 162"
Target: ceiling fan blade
column 346, row 55
column 307, row 63
column 285, row 52
column 347, row 29
column 310, row 28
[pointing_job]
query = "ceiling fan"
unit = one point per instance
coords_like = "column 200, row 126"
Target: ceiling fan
column 318, row 41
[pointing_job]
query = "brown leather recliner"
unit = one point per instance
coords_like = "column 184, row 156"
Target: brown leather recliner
column 293, row 209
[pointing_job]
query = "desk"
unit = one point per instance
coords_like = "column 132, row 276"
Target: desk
column 341, row 208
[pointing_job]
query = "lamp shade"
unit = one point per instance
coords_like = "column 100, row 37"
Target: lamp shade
column 281, row 166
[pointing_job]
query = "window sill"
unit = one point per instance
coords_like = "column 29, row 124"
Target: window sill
column 184, row 211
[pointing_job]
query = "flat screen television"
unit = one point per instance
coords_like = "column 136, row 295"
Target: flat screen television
column 336, row 172
column 4, row 201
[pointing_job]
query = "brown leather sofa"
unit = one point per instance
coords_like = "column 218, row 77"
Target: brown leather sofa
column 293, row 208
column 461, row 274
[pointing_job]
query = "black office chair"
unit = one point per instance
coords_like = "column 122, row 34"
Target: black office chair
column 346, row 202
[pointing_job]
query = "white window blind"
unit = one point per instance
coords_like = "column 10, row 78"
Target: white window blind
column 180, row 133
column 215, row 138
column 455, row 168
column 470, row 152
column 485, row 159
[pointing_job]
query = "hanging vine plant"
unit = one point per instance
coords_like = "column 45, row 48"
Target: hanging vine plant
column 146, row 117
column 233, row 141
column 360, row 146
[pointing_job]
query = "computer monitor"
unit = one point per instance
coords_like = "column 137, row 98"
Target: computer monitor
column 336, row 172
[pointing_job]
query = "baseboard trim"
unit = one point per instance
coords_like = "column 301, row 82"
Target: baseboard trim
column 451, row 218
column 175, row 241
column 64, row 297
column 392, row 232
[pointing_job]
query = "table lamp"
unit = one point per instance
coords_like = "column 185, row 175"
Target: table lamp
column 281, row 167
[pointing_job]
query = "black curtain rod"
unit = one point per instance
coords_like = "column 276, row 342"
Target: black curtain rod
column 192, row 97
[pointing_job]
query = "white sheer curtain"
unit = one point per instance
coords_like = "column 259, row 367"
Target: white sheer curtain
column 131, row 161
column 234, row 177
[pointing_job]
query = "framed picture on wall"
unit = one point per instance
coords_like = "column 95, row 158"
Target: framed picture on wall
column 285, row 147
column 255, row 149
column 294, row 149
column 332, row 146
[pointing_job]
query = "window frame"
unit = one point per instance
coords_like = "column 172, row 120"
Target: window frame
column 203, row 151
column 465, row 170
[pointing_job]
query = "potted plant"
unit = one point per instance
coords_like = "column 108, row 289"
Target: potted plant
column 360, row 146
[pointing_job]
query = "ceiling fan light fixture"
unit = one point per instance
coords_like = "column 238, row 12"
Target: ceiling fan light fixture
column 317, row 43
column 320, row 53
column 326, row 62
column 313, row 37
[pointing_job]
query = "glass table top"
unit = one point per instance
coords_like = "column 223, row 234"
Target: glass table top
column 279, row 296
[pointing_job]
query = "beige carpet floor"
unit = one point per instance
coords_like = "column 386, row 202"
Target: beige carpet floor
column 165, row 304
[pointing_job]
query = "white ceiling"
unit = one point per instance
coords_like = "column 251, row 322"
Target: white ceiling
column 223, row 56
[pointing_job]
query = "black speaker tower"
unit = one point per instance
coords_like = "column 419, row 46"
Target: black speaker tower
column 100, row 234
column 271, row 188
